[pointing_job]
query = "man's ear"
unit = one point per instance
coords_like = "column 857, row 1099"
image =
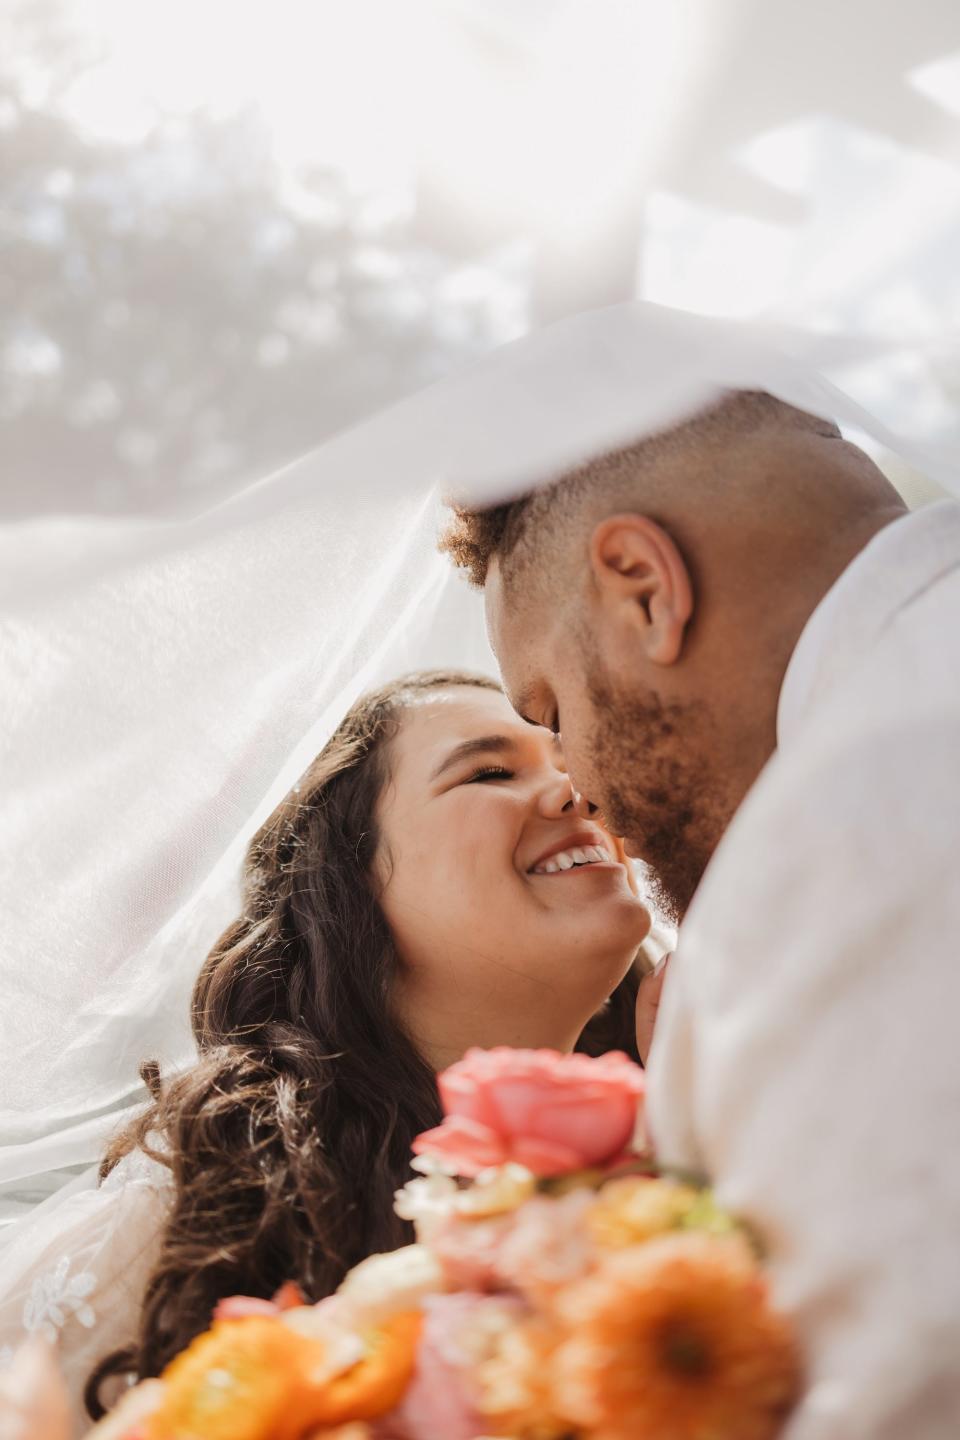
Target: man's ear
column 637, row 567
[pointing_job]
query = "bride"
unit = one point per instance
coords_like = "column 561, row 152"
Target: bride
column 427, row 886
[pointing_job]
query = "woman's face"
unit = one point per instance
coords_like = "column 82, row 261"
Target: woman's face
column 514, row 918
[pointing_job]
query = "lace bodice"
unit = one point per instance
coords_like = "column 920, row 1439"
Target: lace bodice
column 77, row 1269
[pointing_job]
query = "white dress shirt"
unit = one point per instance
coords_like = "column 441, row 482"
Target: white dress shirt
column 807, row 1055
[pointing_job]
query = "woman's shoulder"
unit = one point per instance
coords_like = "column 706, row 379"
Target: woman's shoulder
column 140, row 1168
column 76, row 1269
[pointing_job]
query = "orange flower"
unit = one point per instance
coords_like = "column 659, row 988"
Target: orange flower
column 356, row 1430
column 257, row 1378
column 243, row 1379
column 675, row 1337
column 377, row 1383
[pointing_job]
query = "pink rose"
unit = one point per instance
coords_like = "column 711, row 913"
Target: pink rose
column 552, row 1113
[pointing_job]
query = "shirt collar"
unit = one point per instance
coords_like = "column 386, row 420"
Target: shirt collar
column 900, row 561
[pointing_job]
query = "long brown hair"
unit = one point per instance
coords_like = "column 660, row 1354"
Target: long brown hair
column 288, row 1138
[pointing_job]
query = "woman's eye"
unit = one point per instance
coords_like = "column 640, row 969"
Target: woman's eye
column 489, row 772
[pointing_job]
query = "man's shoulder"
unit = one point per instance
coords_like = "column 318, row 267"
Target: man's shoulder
column 854, row 825
column 886, row 731
column 886, row 780
column 853, row 828
column 885, row 641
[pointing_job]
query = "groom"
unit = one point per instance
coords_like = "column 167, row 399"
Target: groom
column 752, row 652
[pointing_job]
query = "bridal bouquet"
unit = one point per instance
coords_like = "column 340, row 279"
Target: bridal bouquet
column 559, row 1287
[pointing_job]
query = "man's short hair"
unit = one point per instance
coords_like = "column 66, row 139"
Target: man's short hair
column 507, row 531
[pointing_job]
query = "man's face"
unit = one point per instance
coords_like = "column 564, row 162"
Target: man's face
column 638, row 752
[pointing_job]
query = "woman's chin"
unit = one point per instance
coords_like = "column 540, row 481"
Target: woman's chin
column 601, row 894
column 600, row 943
column 622, row 926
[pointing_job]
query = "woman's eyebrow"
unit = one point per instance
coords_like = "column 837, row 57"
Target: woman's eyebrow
column 482, row 745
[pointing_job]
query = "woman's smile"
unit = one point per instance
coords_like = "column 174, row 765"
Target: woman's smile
column 573, row 852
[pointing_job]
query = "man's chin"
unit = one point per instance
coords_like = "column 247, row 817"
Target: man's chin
column 672, row 878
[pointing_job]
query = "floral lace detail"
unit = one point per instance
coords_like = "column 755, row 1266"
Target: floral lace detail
column 56, row 1296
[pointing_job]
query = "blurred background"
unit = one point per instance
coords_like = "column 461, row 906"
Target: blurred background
column 229, row 230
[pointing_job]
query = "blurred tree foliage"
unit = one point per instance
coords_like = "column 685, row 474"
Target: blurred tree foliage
column 178, row 314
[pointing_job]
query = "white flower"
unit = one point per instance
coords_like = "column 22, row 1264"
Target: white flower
column 497, row 1191
column 434, row 1197
column 432, row 1165
column 56, row 1296
column 427, row 1202
column 385, row 1285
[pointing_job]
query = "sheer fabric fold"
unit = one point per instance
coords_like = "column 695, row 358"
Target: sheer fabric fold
column 166, row 682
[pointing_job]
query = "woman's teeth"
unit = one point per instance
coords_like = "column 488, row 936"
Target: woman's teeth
column 567, row 859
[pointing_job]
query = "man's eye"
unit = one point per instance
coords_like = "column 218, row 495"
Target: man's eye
column 489, row 772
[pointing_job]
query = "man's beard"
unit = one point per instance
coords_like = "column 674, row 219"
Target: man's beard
column 659, row 790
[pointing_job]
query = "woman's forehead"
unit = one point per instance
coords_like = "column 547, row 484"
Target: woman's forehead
column 435, row 722
column 456, row 712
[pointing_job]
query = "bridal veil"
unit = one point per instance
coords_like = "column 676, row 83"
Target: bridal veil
column 167, row 676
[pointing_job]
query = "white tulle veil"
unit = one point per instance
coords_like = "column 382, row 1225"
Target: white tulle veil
column 164, row 681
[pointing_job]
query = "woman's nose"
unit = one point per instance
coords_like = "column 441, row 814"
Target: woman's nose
column 557, row 797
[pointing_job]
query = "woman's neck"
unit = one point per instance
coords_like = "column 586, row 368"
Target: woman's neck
column 444, row 1045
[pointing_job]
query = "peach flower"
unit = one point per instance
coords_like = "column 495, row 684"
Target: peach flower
column 637, row 1207
column 553, row 1113
column 460, row 1333
column 517, row 1393
column 531, row 1252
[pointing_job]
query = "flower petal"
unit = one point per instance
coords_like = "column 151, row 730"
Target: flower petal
column 466, row 1144
column 545, row 1157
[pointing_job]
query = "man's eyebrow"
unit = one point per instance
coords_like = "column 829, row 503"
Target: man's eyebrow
column 482, row 745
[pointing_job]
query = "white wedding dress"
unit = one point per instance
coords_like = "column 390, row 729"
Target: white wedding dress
column 75, row 1271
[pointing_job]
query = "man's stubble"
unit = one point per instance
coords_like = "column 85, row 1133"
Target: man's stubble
column 660, row 791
